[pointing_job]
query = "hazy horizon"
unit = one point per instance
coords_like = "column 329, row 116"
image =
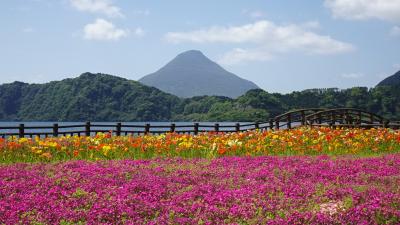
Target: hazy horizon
column 286, row 92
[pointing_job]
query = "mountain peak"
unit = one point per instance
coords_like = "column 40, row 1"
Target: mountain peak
column 90, row 76
column 191, row 73
column 192, row 55
column 192, row 52
column 87, row 75
column 191, row 58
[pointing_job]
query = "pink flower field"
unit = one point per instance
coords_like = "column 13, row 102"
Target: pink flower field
column 227, row 190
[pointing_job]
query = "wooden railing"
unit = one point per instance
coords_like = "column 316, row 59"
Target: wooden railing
column 293, row 118
column 119, row 129
column 349, row 117
column 340, row 117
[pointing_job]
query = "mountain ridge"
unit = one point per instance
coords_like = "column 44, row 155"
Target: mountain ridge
column 191, row 74
column 102, row 97
column 393, row 80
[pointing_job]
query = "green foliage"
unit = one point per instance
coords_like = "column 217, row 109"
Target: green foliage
column 94, row 97
column 100, row 97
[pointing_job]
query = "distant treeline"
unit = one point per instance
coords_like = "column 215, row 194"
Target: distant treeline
column 100, row 97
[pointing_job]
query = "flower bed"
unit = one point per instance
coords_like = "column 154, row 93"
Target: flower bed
column 241, row 190
column 303, row 141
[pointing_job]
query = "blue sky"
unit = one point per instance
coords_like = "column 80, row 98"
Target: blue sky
column 281, row 45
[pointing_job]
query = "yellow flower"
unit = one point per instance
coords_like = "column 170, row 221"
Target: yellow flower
column 106, row 149
column 23, row 140
column 52, row 144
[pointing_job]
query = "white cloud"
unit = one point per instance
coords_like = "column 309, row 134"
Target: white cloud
column 103, row 30
column 97, row 6
column 396, row 66
column 395, row 31
column 238, row 56
column 139, row 32
column 248, row 33
column 388, row 10
column 269, row 37
column 352, row 75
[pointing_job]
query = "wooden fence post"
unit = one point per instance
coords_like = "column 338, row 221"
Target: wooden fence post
column 55, row 130
column 118, row 130
column 271, row 124
column 196, row 128
column 319, row 117
column 289, row 121
column 386, row 124
column 21, row 130
column 350, row 119
column 334, row 119
column 347, row 117
column 147, row 128
column 237, row 127
column 216, row 127
column 342, row 117
column 303, row 118
column 172, row 129
column 257, row 125
column 87, row 129
column 277, row 125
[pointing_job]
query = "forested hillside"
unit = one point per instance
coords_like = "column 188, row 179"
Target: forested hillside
column 95, row 97
column 100, row 97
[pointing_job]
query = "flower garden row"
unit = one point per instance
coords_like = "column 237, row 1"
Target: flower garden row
column 225, row 190
column 300, row 176
column 303, row 141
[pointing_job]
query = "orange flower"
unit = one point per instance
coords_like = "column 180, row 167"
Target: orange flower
column 47, row 155
column 76, row 153
column 221, row 150
column 328, row 138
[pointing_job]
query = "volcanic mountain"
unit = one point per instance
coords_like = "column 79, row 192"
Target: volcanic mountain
column 191, row 74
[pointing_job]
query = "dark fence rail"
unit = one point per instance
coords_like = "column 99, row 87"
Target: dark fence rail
column 118, row 129
column 340, row 117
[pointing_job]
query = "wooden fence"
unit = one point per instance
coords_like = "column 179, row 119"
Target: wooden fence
column 340, row 117
column 119, row 129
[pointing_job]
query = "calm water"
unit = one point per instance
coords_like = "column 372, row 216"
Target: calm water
column 45, row 124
